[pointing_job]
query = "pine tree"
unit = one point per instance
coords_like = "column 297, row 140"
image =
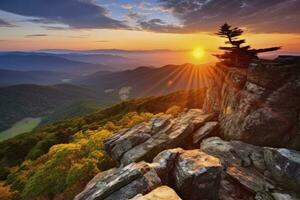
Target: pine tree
column 237, row 54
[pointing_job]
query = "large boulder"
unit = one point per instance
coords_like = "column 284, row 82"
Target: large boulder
column 160, row 193
column 234, row 152
column 164, row 164
column 146, row 140
column 284, row 165
column 122, row 184
column 197, row 175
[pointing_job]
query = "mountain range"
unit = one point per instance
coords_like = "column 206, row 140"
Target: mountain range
column 102, row 88
column 24, row 61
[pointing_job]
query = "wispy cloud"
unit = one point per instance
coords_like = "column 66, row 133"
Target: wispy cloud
column 4, row 23
column 74, row 13
column 157, row 25
column 36, row 35
column 127, row 6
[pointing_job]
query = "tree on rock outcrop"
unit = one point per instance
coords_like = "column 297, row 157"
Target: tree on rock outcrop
column 237, row 54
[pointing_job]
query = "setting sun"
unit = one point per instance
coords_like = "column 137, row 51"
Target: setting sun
column 198, row 53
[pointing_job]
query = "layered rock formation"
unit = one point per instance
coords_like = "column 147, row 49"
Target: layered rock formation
column 258, row 105
column 144, row 141
column 229, row 150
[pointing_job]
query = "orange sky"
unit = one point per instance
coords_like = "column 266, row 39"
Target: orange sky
column 133, row 40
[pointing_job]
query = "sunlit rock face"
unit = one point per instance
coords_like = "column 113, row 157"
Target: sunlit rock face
column 161, row 193
column 258, row 105
column 144, row 141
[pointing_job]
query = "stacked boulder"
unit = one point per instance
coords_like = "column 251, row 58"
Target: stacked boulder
column 144, row 141
column 219, row 169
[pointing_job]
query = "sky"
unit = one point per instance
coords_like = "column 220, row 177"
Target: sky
column 138, row 24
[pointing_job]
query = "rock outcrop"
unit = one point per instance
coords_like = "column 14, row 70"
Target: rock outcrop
column 144, row 141
column 220, row 169
column 258, row 105
column 260, row 170
column 227, row 151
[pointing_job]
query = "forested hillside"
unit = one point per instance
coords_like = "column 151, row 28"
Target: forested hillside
column 20, row 101
column 49, row 163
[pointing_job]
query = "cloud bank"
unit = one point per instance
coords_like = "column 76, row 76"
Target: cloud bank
column 280, row 16
column 74, row 13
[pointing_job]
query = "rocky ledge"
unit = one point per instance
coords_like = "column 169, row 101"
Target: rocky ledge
column 242, row 145
column 215, row 169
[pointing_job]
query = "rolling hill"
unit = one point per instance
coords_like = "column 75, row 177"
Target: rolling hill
column 145, row 81
column 23, row 61
column 12, row 77
column 22, row 101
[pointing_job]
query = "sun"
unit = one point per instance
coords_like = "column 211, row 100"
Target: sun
column 198, row 53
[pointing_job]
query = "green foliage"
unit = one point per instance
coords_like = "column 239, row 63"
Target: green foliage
column 174, row 110
column 16, row 102
column 56, row 161
column 76, row 109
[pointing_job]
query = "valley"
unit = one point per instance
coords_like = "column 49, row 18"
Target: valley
column 22, row 126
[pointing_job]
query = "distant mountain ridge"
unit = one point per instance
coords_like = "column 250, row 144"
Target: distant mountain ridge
column 26, row 61
column 144, row 81
column 110, row 51
column 13, row 77
column 104, row 87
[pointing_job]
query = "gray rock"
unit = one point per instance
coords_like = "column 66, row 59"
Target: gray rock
column 197, row 175
column 164, row 164
column 234, row 152
column 146, row 140
column 283, row 196
column 126, row 139
column 160, row 193
column 284, row 165
column 250, row 179
column 122, row 184
column 230, row 190
column 206, row 130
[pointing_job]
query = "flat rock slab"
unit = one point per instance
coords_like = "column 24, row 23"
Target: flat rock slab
column 160, row 193
column 122, row 184
column 206, row 130
column 284, row 165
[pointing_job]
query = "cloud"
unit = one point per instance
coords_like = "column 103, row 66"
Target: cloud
column 124, row 93
column 127, row 6
column 134, row 16
column 157, row 25
column 146, row 6
column 4, row 23
column 74, row 13
column 55, row 28
column 36, row 35
column 280, row 16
